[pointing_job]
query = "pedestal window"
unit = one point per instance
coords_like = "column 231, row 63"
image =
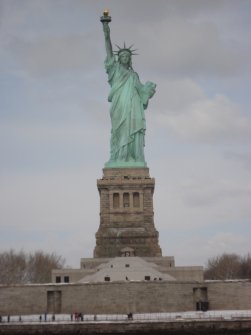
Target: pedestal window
column 115, row 200
column 126, row 201
column 136, row 202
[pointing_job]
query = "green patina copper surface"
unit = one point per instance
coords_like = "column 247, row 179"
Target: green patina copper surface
column 128, row 98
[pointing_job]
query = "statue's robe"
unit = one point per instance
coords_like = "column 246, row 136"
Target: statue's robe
column 128, row 101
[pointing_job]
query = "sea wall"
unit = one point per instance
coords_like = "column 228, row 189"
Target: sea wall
column 236, row 327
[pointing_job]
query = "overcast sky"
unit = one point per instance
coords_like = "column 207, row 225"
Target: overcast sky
column 55, row 124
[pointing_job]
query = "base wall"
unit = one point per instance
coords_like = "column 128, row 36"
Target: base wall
column 120, row 298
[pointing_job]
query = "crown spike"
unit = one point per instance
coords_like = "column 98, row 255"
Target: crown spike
column 125, row 48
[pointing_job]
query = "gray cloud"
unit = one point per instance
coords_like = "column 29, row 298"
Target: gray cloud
column 209, row 246
column 243, row 158
column 190, row 48
column 174, row 43
column 214, row 193
column 190, row 114
column 50, row 55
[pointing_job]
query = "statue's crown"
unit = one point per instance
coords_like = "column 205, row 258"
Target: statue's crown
column 125, row 49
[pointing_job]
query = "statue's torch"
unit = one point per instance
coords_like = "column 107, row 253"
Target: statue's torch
column 105, row 17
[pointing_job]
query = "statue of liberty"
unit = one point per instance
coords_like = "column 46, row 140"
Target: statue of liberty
column 129, row 98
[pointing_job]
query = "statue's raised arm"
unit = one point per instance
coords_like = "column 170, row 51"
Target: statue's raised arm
column 108, row 43
column 129, row 98
column 105, row 19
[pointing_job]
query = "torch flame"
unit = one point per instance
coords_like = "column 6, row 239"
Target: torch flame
column 106, row 12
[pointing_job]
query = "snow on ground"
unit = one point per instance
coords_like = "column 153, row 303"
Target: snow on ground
column 153, row 317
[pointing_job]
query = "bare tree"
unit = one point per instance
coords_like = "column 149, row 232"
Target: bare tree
column 22, row 268
column 246, row 266
column 12, row 267
column 39, row 266
column 228, row 266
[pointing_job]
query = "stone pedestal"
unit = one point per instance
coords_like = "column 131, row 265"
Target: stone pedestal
column 126, row 214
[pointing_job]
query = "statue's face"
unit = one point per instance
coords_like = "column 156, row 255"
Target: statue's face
column 125, row 58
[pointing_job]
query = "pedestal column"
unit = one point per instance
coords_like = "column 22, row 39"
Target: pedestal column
column 126, row 214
